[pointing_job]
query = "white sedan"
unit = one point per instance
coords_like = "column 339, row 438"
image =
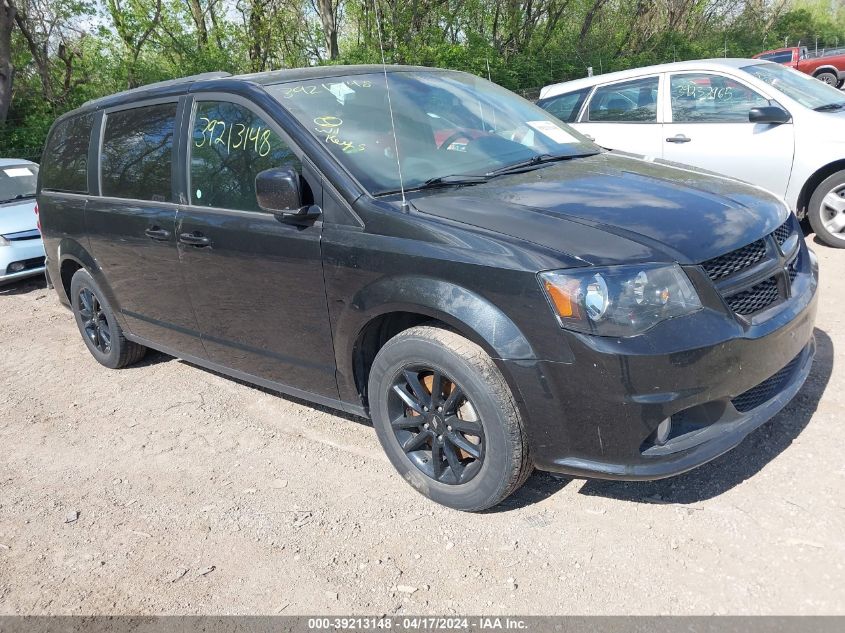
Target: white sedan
column 21, row 248
column 746, row 118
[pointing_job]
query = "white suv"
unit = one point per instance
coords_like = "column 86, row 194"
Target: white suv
column 21, row 248
column 749, row 119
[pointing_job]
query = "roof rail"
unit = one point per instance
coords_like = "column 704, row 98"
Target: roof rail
column 162, row 84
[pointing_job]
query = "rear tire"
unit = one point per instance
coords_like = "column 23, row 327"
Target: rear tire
column 826, row 210
column 98, row 326
column 829, row 78
column 447, row 419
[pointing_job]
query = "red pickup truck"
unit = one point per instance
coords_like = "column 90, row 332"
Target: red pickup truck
column 827, row 68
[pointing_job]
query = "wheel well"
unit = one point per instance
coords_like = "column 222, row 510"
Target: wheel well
column 373, row 337
column 824, row 69
column 68, row 270
column 814, row 181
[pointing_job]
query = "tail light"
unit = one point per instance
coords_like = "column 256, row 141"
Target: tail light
column 38, row 218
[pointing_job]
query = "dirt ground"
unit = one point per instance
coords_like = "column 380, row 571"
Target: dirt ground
column 166, row 489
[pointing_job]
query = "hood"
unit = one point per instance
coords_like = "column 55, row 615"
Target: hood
column 611, row 208
column 17, row 216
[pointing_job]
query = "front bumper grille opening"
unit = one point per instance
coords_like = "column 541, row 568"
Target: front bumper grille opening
column 755, row 298
column 766, row 390
column 28, row 264
column 730, row 263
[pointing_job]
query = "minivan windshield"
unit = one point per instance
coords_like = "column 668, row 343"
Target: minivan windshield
column 448, row 125
column 17, row 182
column 806, row 90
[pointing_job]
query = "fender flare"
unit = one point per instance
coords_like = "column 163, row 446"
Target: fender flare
column 71, row 250
column 453, row 304
column 826, row 69
column 468, row 313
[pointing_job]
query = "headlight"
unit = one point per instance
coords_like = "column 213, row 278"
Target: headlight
column 4, row 241
column 619, row 300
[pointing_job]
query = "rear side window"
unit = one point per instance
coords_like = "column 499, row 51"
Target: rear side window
column 230, row 146
column 137, row 155
column 781, row 58
column 64, row 166
column 565, row 107
column 626, row 102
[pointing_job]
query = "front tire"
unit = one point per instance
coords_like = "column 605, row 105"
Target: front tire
column 826, row 210
column 447, row 419
column 98, row 326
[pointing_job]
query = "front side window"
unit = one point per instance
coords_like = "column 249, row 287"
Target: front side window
column 447, row 124
column 626, row 102
column 137, row 155
column 230, row 146
column 64, row 166
column 17, row 182
column 705, row 98
column 566, row 106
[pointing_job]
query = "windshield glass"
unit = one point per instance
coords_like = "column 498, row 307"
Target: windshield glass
column 806, row 90
column 447, row 124
column 17, row 182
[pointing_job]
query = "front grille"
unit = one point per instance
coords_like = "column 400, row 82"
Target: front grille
column 766, row 390
column 782, row 232
column 756, row 298
column 740, row 259
column 28, row 264
column 756, row 295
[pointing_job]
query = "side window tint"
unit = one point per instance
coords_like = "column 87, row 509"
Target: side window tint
column 64, row 166
column 137, row 153
column 565, row 107
column 630, row 101
column 783, row 57
column 230, row 146
column 711, row 99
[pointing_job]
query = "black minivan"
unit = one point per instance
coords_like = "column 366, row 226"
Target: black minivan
column 427, row 249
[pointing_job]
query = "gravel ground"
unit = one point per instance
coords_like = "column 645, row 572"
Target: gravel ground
column 164, row 488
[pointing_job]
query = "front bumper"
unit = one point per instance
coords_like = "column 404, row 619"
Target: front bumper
column 717, row 381
column 29, row 253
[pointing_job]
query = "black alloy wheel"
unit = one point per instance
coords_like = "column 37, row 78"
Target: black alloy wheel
column 98, row 325
column 447, row 419
column 94, row 322
column 436, row 426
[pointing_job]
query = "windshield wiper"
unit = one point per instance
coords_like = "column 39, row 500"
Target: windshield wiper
column 451, row 180
column 540, row 159
column 20, row 196
column 474, row 179
column 454, row 179
column 828, row 107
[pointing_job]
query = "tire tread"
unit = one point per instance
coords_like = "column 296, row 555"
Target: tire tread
column 480, row 361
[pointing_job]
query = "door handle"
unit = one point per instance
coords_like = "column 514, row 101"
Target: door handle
column 678, row 138
column 156, row 233
column 194, row 239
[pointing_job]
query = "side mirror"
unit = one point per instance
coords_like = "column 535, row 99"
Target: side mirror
column 769, row 114
column 277, row 191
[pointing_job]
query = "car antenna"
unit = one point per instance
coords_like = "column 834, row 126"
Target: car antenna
column 406, row 208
